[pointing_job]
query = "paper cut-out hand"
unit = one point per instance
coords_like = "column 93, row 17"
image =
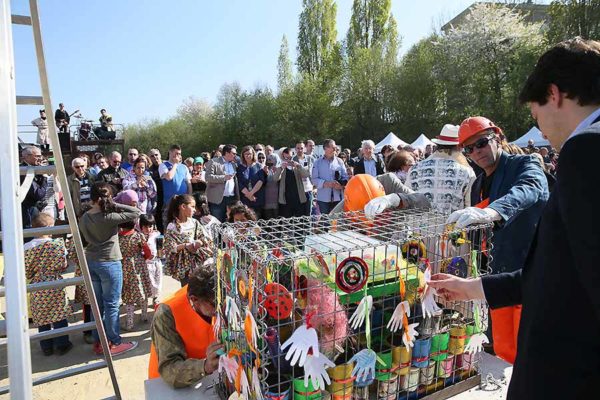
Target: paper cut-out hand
column 409, row 335
column 315, row 370
column 250, row 330
column 233, row 313
column 365, row 364
column 256, row 384
column 244, row 385
column 302, row 340
column 428, row 304
column 217, row 324
column 476, row 342
column 397, row 317
column 362, row 311
column 229, row 365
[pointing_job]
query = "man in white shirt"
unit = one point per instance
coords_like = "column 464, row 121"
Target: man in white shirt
column 42, row 126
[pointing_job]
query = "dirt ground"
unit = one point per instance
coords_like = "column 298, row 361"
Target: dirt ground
column 131, row 368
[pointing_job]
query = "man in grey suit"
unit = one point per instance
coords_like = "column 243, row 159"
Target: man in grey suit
column 221, row 182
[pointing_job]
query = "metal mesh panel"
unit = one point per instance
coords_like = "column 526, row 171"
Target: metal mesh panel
column 285, row 271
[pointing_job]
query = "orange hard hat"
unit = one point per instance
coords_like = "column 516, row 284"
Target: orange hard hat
column 474, row 125
column 361, row 189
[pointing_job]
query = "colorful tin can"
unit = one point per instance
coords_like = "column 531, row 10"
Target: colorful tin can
column 456, row 344
column 341, row 381
column 401, row 359
column 427, row 374
column 439, row 346
column 420, row 352
column 305, row 392
column 413, row 379
column 446, row 367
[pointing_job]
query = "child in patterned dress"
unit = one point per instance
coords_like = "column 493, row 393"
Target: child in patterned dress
column 81, row 295
column 136, row 287
column 187, row 243
column 45, row 261
column 153, row 264
column 134, row 249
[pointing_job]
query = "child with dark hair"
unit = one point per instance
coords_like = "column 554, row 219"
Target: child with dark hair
column 45, row 262
column 187, row 243
column 202, row 214
column 100, row 227
column 153, row 264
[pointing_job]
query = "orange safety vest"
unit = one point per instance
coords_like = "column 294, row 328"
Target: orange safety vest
column 505, row 323
column 196, row 334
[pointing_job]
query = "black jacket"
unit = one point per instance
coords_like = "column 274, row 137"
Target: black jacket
column 359, row 166
column 558, row 354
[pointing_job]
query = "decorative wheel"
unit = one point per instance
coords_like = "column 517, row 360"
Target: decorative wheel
column 351, row 275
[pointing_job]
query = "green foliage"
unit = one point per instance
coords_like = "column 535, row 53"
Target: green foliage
column 570, row 18
column 317, row 36
column 284, row 66
column 363, row 91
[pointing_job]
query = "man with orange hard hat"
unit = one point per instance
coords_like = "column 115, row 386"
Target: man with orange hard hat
column 511, row 192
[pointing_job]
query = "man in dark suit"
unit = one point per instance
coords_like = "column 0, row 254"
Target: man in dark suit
column 558, row 347
column 368, row 163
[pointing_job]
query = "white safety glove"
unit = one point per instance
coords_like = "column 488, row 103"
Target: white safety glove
column 473, row 215
column 380, row 204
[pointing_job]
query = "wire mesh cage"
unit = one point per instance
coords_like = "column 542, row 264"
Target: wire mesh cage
column 338, row 306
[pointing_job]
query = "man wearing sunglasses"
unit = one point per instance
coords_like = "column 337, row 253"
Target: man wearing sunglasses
column 559, row 279
column 80, row 184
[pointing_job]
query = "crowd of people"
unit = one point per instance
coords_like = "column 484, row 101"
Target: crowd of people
column 471, row 173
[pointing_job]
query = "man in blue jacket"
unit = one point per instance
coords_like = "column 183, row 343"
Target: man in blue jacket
column 511, row 192
column 558, row 347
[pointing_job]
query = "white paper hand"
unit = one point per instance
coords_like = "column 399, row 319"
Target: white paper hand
column 315, row 370
column 229, row 365
column 408, row 336
column 363, row 310
column 428, row 305
column 217, row 324
column 476, row 342
column 244, row 385
column 365, row 364
column 395, row 321
column 256, row 385
column 250, row 329
column 302, row 340
column 380, row 204
column 233, row 313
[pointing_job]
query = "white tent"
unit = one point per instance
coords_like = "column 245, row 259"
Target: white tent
column 390, row 139
column 536, row 135
column 421, row 142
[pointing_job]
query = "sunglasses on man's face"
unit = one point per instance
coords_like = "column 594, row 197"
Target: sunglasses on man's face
column 479, row 144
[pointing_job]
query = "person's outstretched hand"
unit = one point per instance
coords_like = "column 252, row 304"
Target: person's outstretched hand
column 454, row 288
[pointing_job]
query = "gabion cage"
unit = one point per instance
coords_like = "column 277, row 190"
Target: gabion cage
column 359, row 287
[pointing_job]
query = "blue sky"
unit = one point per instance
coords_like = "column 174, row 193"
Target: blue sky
column 141, row 59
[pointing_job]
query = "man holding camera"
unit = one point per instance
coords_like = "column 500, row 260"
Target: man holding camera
column 306, row 161
column 329, row 176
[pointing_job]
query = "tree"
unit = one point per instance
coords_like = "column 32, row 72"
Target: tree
column 317, row 36
column 415, row 95
column 368, row 24
column 483, row 63
column 570, row 18
column 284, row 66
